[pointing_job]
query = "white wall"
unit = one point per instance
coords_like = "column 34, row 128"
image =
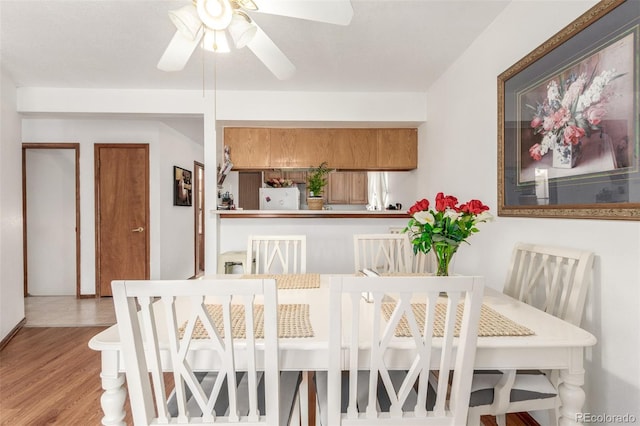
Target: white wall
column 11, row 267
column 462, row 121
column 171, row 227
column 329, row 241
column 177, row 222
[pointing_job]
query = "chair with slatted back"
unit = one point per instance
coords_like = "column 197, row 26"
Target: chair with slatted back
column 278, row 254
column 422, row 263
column 239, row 382
column 555, row 280
column 383, row 253
column 369, row 389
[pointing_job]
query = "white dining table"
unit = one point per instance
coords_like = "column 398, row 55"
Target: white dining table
column 555, row 344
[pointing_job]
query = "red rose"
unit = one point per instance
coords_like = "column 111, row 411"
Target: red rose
column 443, row 202
column 419, row 206
column 473, row 207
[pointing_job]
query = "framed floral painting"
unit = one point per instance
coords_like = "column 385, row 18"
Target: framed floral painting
column 568, row 132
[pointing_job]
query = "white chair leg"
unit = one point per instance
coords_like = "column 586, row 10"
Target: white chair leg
column 473, row 417
column 303, row 396
column 501, row 420
column 553, row 416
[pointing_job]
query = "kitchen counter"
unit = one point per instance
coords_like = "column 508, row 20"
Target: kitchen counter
column 311, row 214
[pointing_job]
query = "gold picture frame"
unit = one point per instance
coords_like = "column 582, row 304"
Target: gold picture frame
column 568, row 133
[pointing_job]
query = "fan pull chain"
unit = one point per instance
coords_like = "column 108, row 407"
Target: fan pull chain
column 215, row 88
column 203, row 67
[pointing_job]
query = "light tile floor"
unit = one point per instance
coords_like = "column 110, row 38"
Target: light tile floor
column 67, row 311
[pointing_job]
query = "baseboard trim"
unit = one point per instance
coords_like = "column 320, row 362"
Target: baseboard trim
column 12, row 333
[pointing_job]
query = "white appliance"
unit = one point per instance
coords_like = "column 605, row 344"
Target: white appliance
column 279, row 198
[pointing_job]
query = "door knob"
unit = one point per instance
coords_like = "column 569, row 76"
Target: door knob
column 138, row 229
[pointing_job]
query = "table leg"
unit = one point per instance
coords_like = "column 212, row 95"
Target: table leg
column 114, row 395
column 572, row 396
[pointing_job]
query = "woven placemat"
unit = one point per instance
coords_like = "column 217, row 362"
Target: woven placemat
column 491, row 323
column 290, row 281
column 293, row 321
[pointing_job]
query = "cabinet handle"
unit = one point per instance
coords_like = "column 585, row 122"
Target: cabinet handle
column 138, row 229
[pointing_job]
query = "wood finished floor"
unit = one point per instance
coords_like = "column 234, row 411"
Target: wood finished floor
column 49, row 376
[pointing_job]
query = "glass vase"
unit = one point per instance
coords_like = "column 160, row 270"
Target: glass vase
column 444, row 253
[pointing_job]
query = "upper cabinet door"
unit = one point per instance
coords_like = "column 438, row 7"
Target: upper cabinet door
column 284, row 147
column 299, row 148
column 354, row 149
column 249, row 148
column 397, row 149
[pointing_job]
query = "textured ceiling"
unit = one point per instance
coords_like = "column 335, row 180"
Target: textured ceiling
column 390, row 45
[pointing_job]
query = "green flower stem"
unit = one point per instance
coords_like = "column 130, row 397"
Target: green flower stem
column 444, row 253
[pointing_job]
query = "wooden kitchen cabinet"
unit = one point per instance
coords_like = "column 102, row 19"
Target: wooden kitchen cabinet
column 359, row 188
column 347, row 188
column 304, row 148
column 249, row 148
column 397, row 149
column 299, row 148
column 353, row 149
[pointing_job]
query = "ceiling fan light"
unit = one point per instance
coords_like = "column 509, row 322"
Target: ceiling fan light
column 186, row 21
column 215, row 14
column 242, row 30
column 215, row 41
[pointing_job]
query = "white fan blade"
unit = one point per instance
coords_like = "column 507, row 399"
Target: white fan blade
column 178, row 52
column 337, row 12
column 272, row 57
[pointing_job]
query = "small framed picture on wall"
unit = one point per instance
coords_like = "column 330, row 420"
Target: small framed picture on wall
column 182, row 181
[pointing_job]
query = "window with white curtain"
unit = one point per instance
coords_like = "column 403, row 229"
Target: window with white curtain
column 378, row 191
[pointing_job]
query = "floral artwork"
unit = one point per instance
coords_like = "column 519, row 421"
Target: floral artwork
column 578, row 121
column 445, row 227
column 568, row 132
column 574, row 107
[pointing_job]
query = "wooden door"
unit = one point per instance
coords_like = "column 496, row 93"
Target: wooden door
column 249, row 184
column 122, row 213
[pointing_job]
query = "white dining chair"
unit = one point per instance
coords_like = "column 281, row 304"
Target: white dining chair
column 365, row 387
column 555, row 280
column 422, row 263
column 278, row 254
column 382, row 253
column 240, row 381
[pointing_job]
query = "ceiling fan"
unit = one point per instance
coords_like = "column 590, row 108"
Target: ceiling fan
column 207, row 23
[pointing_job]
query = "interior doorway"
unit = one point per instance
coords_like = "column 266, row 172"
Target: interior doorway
column 51, row 219
column 122, row 214
column 249, row 184
column 198, row 208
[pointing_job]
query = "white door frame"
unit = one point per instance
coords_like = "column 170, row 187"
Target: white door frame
column 76, row 148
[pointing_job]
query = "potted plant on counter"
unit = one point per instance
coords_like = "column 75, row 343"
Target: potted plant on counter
column 316, row 181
